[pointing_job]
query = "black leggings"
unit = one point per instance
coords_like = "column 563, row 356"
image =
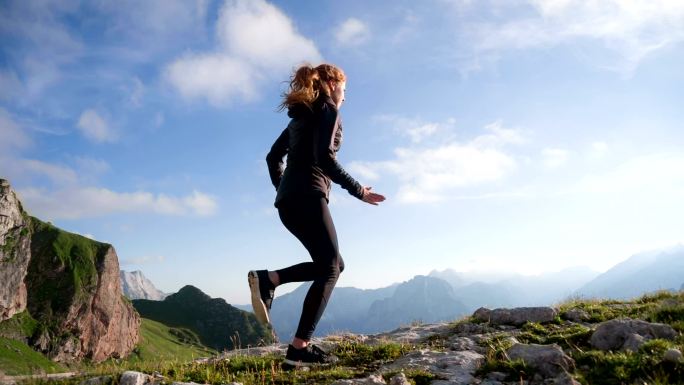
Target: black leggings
column 309, row 220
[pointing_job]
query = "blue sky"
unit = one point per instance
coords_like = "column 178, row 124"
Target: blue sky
column 524, row 136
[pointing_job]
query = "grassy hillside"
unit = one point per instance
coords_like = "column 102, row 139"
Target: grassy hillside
column 62, row 274
column 17, row 358
column 159, row 342
column 218, row 324
column 159, row 345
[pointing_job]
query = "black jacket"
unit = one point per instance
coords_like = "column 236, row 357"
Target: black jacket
column 311, row 142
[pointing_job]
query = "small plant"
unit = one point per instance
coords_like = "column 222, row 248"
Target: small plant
column 368, row 357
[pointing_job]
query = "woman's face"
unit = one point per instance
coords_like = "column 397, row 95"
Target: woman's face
column 337, row 93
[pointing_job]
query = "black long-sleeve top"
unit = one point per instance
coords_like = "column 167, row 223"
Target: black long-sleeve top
column 310, row 141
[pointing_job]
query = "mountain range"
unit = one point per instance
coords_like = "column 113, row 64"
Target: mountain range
column 448, row 294
column 643, row 272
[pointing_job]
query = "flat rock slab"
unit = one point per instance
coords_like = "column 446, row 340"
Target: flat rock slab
column 517, row 316
column 455, row 366
column 548, row 360
column 628, row 334
column 412, row 334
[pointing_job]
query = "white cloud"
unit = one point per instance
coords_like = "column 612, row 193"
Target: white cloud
column 257, row 41
column 430, row 174
column 94, row 127
column 58, row 174
column 11, row 135
column 499, row 136
column 200, row 203
column 218, row 78
column 352, row 32
column 415, row 129
column 86, row 202
column 263, row 35
column 628, row 30
column 554, row 157
column 366, row 172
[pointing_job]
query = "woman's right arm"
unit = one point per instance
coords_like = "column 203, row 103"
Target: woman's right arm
column 274, row 159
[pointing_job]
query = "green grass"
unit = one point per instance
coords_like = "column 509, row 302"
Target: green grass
column 356, row 360
column 597, row 367
column 17, row 358
column 568, row 335
column 644, row 366
column 20, row 326
column 62, row 273
column 159, row 343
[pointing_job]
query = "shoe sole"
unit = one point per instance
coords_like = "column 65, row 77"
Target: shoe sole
column 258, row 305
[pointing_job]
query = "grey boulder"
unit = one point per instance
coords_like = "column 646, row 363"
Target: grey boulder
column 548, row 360
column 516, row 316
column 628, row 334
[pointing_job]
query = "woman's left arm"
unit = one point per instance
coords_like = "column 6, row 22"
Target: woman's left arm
column 324, row 152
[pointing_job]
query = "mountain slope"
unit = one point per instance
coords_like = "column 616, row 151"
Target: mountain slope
column 641, row 273
column 218, row 324
column 425, row 299
column 507, row 290
column 69, row 285
column 159, row 342
column 136, row 286
column 346, row 311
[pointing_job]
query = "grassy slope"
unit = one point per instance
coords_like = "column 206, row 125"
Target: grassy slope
column 218, row 324
column 17, row 358
column 161, row 343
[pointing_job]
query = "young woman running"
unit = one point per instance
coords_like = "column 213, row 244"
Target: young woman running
column 310, row 141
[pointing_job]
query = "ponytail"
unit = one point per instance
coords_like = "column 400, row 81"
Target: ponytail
column 307, row 83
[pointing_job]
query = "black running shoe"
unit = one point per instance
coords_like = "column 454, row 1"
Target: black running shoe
column 310, row 355
column 262, row 294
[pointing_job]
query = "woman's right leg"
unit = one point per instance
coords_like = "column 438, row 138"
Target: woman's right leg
column 310, row 221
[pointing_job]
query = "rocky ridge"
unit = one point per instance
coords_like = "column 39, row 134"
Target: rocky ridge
column 594, row 342
column 15, row 252
column 68, row 284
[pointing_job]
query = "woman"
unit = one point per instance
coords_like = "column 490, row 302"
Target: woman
column 311, row 142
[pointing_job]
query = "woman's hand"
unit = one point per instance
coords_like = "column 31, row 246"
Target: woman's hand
column 371, row 197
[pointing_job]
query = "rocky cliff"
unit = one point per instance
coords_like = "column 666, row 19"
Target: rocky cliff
column 68, row 283
column 15, row 252
column 136, row 286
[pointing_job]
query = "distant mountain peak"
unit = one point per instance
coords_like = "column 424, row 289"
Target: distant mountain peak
column 136, row 286
column 189, row 292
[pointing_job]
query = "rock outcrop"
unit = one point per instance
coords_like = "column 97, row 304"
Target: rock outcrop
column 136, row 286
column 549, row 360
column 68, row 283
column 517, row 316
column 628, row 334
column 15, row 252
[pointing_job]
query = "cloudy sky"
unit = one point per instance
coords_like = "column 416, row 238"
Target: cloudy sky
column 523, row 135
